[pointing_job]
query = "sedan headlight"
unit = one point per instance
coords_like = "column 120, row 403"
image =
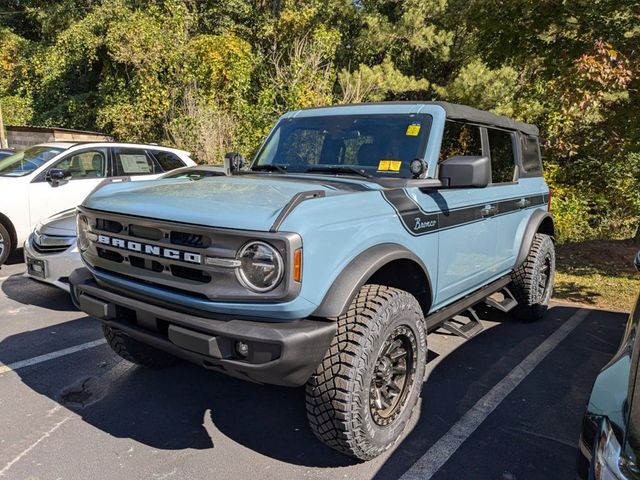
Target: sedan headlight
column 261, row 267
column 82, row 224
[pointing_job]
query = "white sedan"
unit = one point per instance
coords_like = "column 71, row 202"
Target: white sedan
column 49, row 178
column 51, row 253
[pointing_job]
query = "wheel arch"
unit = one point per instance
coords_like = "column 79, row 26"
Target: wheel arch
column 387, row 264
column 540, row 221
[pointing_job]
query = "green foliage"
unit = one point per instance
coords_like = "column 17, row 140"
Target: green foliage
column 214, row 75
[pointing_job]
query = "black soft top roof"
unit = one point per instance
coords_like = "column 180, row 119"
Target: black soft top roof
column 470, row 114
column 455, row 111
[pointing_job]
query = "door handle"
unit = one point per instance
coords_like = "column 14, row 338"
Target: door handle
column 523, row 203
column 489, row 211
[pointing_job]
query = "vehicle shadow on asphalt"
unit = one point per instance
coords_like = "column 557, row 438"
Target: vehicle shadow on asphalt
column 27, row 291
column 186, row 407
column 534, row 432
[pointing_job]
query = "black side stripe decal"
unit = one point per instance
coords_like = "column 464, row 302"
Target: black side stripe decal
column 418, row 222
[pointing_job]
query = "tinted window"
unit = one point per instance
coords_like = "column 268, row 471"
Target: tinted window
column 502, row 156
column 460, row 139
column 381, row 145
column 531, row 155
column 85, row 164
column 131, row 161
column 168, row 161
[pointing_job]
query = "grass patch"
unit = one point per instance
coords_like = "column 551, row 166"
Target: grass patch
column 598, row 273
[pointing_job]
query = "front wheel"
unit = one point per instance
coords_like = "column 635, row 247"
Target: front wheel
column 6, row 246
column 532, row 282
column 361, row 396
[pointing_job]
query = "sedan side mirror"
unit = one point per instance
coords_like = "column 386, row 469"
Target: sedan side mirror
column 57, row 177
column 465, row 172
column 636, row 261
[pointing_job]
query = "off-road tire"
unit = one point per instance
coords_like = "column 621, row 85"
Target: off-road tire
column 340, row 393
column 6, row 246
column 135, row 351
column 527, row 279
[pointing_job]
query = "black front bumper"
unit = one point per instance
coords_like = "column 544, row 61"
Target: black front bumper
column 280, row 353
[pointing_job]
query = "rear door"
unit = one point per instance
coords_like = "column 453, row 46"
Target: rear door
column 505, row 188
column 467, row 229
column 135, row 163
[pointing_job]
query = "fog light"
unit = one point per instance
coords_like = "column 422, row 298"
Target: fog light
column 242, row 349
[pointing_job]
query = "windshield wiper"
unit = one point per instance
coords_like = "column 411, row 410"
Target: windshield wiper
column 338, row 169
column 269, row 167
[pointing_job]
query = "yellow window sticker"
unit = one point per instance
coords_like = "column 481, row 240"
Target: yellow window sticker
column 413, row 130
column 394, row 165
column 383, row 166
column 389, row 165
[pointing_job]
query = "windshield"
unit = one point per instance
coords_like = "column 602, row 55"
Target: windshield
column 24, row 163
column 379, row 145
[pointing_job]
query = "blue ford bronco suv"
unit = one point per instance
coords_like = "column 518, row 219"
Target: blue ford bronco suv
column 355, row 231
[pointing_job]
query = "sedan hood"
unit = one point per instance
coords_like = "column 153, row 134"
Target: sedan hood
column 62, row 224
column 249, row 202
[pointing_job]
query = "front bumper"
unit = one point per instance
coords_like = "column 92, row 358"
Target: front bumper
column 279, row 353
column 59, row 266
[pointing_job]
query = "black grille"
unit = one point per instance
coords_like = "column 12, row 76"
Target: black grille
column 145, row 232
column 140, row 262
column 48, row 250
column 190, row 274
column 190, row 240
column 108, row 225
column 110, row 255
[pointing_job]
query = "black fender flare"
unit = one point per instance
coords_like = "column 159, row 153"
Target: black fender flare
column 358, row 271
column 539, row 218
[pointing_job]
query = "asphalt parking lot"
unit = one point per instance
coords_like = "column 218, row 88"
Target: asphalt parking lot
column 505, row 405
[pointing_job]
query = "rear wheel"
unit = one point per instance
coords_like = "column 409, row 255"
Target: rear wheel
column 135, row 351
column 361, row 396
column 532, row 282
column 6, row 246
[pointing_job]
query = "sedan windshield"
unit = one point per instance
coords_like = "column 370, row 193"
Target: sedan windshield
column 24, row 163
column 364, row 145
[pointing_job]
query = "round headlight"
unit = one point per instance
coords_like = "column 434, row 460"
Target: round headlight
column 261, row 267
column 82, row 224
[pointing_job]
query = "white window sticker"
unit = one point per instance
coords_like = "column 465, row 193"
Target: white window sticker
column 135, row 163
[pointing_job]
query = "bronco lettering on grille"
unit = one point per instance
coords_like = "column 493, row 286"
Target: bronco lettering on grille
column 154, row 250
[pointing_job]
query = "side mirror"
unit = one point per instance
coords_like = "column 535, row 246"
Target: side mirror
column 57, row 177
column 466, row 172
column 233, row 161
column 636, row 261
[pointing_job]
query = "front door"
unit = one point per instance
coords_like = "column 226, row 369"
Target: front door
column 87, row 168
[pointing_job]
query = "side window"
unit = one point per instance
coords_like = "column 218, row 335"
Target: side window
column 502, row 156
column 460, row 139
column 85, row 164
column 531, row 156
column 132, row 161
column 168, row 160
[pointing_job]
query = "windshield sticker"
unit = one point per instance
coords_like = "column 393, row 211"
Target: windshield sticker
column 413, row 130
column 389, row 165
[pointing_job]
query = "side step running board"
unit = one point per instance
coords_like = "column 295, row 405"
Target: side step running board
column 504, row 304
column 437, row 318
column 462, row 326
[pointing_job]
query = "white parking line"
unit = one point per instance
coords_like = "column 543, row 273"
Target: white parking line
column 447, row 445
column 50, row 356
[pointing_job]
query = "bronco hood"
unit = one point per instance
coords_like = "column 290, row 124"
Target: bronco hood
column 249, row 202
